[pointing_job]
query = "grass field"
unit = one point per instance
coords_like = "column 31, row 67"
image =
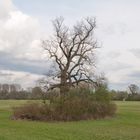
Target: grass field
column 124, row 126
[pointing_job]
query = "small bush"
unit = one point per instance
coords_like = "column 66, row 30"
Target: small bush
column 78, row 104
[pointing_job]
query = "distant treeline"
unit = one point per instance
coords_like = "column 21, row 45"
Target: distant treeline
column 132, row 94
column 124, row 96
column 14, row 91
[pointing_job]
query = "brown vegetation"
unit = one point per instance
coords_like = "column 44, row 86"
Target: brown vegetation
column 77, row 105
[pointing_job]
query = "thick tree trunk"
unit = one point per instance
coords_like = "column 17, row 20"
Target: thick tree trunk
column 64, row 87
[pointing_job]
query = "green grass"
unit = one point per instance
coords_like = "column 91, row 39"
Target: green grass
column 124, row 126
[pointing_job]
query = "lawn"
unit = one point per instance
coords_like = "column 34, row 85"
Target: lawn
column 124, row 126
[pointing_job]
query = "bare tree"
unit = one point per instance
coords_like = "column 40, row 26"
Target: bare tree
column 73, row 50
column 134, row 89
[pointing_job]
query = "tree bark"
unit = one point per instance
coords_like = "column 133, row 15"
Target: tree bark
column 63, row 86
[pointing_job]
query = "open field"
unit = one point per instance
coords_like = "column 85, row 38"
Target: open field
column 124, row 126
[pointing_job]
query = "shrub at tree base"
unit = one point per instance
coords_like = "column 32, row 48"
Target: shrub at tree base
column 71, row 110
column 73, row 107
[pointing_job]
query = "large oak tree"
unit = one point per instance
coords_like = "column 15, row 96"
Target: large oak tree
column 73, row 51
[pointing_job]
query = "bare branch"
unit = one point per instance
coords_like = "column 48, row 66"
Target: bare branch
column 72, row 50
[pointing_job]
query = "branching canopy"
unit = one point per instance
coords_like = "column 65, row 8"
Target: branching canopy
column 73, row 50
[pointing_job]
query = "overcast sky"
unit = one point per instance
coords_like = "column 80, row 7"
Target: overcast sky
column 23, row 23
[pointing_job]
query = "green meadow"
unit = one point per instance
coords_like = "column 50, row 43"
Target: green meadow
column 124, row 126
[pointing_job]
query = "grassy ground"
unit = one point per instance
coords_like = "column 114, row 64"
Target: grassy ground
column 124, row 126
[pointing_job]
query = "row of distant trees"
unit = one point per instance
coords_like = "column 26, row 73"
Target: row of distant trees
column 9, row 87
column 15, row 91
column 132, row 94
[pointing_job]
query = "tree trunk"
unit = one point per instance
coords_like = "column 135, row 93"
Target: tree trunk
column 64, row 87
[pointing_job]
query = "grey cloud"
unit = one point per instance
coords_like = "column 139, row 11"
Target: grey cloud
column 131, row 78
column 135, row 75
column 5, row 74
column 114, row 54
column 119, row 85
column 116, row 66
column 115, row 28
column 135, row 52
column 8, row 62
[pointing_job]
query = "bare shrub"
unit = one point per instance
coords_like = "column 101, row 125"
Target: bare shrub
column 79, row 104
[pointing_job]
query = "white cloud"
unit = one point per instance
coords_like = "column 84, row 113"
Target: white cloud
column 18, row 33
column 136, row 52
column 26, row 79
column 119, row 32
column 5, row 7
column 20, row 47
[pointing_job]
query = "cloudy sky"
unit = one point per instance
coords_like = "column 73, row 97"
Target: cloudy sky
column 23, row 23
